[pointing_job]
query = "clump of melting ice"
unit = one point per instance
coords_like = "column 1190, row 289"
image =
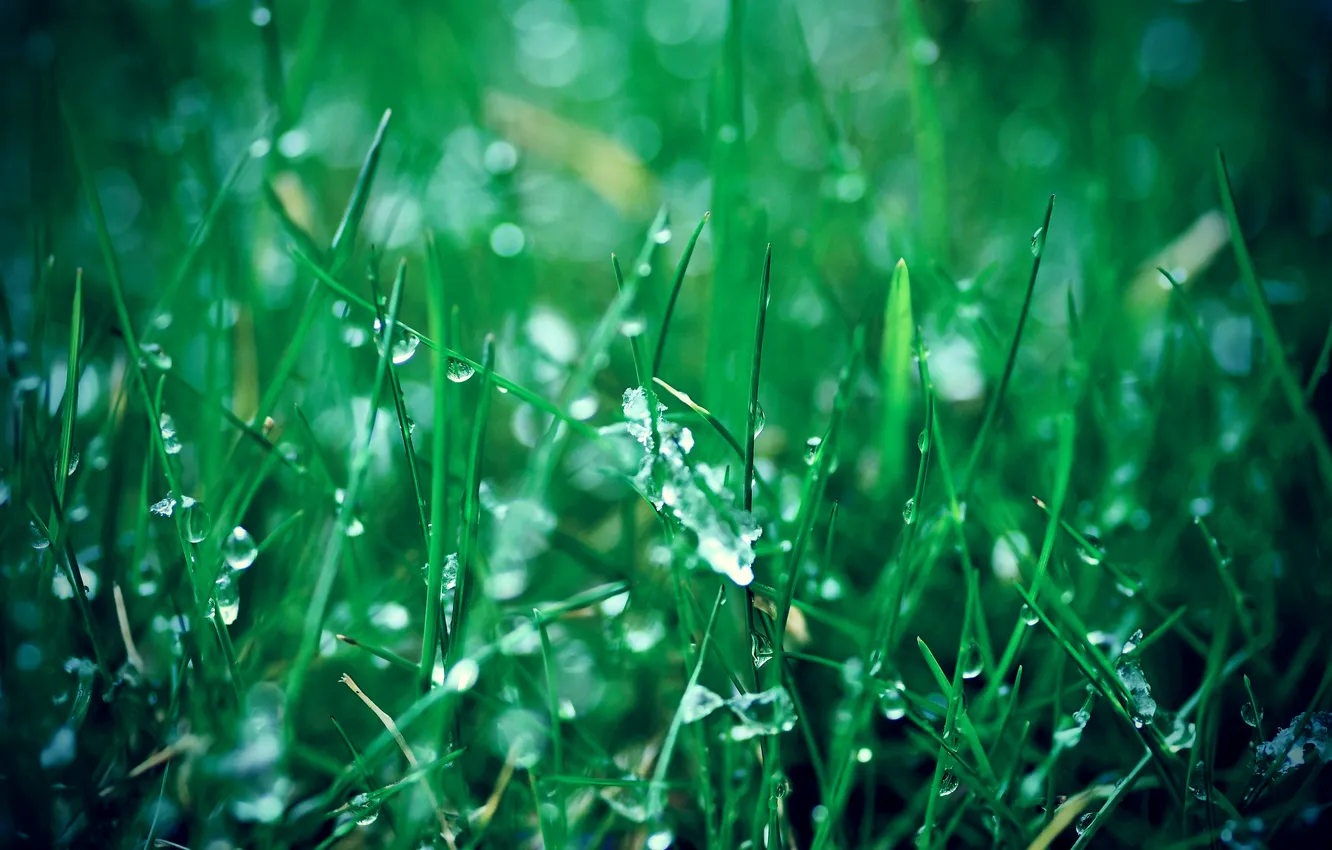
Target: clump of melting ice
column 1313, row 743
column 694, row 494
column 769, row 712
column 1142, row 706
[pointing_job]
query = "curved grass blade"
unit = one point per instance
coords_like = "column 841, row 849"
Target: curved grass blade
column 467, row 556
column 680, row 270
column 333, row 551
column 1262, row 313
column 992, row 410
column 895, row 374
column 752, row 433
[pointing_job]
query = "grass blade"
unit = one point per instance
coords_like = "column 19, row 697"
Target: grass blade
column 754, row 408
column 895, row 374
column 676, row 286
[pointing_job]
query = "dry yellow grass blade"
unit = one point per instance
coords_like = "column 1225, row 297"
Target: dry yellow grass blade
column 611, row 170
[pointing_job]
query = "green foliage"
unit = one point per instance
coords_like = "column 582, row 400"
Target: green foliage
column 347, row 498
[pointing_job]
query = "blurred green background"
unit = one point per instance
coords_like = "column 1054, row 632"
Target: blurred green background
column 530, row 141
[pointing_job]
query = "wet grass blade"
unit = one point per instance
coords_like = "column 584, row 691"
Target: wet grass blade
column 469, row 539
column 996, row 400
column 1262, row 313
column 633, row 340
column 70, row 402
column 676, row 286
column 437, row 535
column 333, row 551
column 929, row 137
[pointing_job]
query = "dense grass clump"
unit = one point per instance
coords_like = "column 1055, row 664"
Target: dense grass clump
column 689, row 426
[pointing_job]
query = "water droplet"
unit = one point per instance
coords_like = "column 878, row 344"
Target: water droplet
column 909, row 511
column 1247, row 715
column 948, row 783
column 1084, row 822
column 404, row 347
column 812, row 449
column 507, row 239
column 1128, row 582
column 197, row 521
column 463, row 675
column 971, row 661
column 1038, row 242
column 1029, row 616
column 239, row 549
column 1132, row 643
column 892, row 702
column 764, row 713
column 1094, row 555
column 165, row 507
column 38, row 540
column 661, row 237
column 698, row 703
column 633, row 326
column 1198, row 784
column 153, row 355
column 761, row 646
column 361, row 808
column 73, row 464
column 1182, row 736
column 760, row 420
column 923, row 441
column 227, row 595
column 355, row 528
column 459, row 370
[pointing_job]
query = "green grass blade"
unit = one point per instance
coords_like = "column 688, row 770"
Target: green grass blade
column 929, row 138
column 996, row 400
column 437, row 539
column 676, row 286
column 333, row 551
column 751, row 432
column 895, row 373
column 1262, row 313
column 469, row 539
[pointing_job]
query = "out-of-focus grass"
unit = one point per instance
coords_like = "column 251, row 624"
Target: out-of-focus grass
column 328, row 520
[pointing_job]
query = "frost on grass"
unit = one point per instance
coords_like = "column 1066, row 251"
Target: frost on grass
column 1314, row 743
column 767, row 712
column 695, row 495
column 1142, row 706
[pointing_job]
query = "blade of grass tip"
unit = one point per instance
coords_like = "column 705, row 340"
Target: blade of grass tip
column 680, row 270
column 340, row 251
column 333, row 550
column 366, row 776
column 467, row 559
column 297, row 234
column 658, row 234
column 380, row 652
column 633, row 340
column 992, row 409
column 438, row 535
column 1222, row 562
column 516, row 389
column 656, row 796
column 1285, row 375
column 895, row 373
column 1192, row 322
column 706, row 415
column 556, row 724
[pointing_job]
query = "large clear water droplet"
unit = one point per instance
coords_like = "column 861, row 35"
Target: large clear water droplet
column 459, row 370
column 948, row 783
column 812, row 449
column 239, row 549
column 1142, row 707
column 38, row 540
column 698, row 703
column 892, row 702
column 73, row 465
column 923, row 441
column 153, row 355
column 1131, row 644
column 1038, row 242
column 1128, row 582
column 1095, row 554
column 971, row 661
column 761, row 647
column 361, row 808
column 1197, row 784
column 1029, row 616
column 197, row 521
column 1247, row 715
column 1084, row 821
column 760, row 420
column 227, row 595
column 909, row 511
column 661, row 237
column 404, row 347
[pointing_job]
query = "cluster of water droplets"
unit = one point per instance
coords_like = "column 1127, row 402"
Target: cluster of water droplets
column 769, row 712
column 1142, row 706
column 695, row 495
column 1289, row 751
column 238, row 553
